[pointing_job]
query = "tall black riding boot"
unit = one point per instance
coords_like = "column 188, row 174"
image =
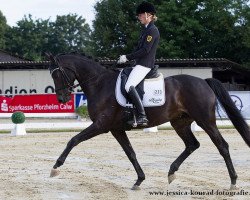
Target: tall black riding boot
column 136, row 100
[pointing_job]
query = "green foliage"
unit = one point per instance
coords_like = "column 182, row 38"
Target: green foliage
column 3, row 29
column 18, row 117
column 115, row 28
column 82, row 111
column 224, row 24
column 188, row 28
column 197, row 29
column 69, row 33
column 27, row 38
column 31, row 38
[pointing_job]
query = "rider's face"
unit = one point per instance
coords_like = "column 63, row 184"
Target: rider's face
column 144, row 18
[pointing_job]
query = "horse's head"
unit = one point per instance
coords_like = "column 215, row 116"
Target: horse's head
column 63, row 79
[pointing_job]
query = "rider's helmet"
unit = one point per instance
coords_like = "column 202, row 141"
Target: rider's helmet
column 145, row 7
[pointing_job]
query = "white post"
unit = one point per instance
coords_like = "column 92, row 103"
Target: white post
column 195, row 127
column 19, row 129
column 151, row 130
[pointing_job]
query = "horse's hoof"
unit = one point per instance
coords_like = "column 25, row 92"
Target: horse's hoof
column 171, row 178
column 54, row 172
column 135, row 187
column 234, row 187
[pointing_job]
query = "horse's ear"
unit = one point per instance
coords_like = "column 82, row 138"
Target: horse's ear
column 50, row 57
column 47, row 55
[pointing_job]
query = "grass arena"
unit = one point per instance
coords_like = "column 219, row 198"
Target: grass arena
column 99, row 169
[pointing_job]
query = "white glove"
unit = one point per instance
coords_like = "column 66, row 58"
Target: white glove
column 122, row 59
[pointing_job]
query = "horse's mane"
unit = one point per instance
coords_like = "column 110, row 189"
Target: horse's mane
column 85, row 57
column 79, row 54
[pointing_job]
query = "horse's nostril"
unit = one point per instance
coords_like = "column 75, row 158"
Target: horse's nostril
column 60, row 99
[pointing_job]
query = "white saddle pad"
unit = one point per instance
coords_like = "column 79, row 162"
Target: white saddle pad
column 154, row 89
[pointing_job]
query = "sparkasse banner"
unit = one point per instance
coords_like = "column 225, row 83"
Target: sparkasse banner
column 47, row 104
column 39, row 103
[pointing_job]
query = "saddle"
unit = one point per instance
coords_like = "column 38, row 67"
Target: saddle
column 151, row 90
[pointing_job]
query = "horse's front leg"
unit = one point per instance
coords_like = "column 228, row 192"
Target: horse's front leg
column 90, row 132
column 123, row 140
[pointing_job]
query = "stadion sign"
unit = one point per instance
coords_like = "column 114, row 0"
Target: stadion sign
column 43, row 103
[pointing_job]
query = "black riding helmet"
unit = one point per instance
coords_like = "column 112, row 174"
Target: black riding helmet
column 145, row 7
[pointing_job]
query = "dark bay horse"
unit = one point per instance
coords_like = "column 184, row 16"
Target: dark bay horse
column 188, row 99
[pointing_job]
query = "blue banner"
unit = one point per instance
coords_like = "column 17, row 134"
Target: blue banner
column 80, row 99
column 242, row 102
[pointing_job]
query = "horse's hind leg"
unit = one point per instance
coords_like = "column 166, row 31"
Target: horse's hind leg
column 183, row 128
column 223, row 148
column 123, row 140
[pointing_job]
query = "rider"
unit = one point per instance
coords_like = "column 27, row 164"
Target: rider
column 144, row 56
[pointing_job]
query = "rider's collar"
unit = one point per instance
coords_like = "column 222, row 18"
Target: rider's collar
column 149, row 24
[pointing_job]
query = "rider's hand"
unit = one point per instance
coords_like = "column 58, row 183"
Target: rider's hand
column 122, row 59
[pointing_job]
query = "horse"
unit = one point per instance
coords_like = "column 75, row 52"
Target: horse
column 188, row 99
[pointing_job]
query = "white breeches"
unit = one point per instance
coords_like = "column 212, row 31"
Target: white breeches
column 136, row 76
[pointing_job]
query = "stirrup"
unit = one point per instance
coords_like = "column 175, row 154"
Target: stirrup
column 142, row 121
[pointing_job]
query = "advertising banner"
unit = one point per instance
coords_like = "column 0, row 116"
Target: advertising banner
column 25, row 82
column 41, row 103
column 47, row 104
column 80, row 100
column 242, row 102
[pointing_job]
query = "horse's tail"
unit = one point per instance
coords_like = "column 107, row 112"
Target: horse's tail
column 232, row 112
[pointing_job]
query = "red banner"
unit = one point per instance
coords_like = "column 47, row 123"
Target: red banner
column 44, row 103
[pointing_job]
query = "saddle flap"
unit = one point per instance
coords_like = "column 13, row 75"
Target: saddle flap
column 154, row 89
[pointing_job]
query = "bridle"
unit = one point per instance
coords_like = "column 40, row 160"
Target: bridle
column 66, row 79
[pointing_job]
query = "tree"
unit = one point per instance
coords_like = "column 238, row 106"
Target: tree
column 188, row 28
column 3, row 28
column 31, row 38
column 115, row 28
column 224, row 25
column 245, row 30
column 196, row 29
column 27, row 38
column 69, row 33
column 180, row 29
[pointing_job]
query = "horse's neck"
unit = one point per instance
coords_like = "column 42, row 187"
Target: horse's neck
column 91, row 73
column 92, row 78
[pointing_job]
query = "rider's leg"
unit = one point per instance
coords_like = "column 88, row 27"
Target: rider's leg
column 136, row 76
column 136, row 100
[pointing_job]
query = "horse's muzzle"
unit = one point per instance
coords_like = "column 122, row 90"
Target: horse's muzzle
column 63, row 98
